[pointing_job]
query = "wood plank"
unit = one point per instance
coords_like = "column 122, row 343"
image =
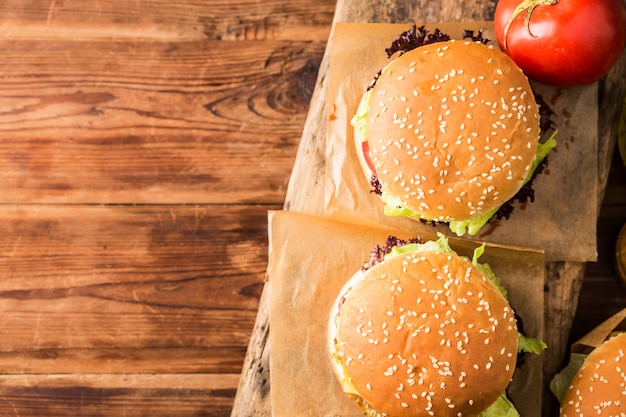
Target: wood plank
column 142, row 103
column 117, row 395
column 41, row 342
column 151, row 122
column 114, row 287
column 159, row 19
column 207, row 357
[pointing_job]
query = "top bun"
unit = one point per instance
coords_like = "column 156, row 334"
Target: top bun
column 424, row 333
column 453, row 129
column 599, row 386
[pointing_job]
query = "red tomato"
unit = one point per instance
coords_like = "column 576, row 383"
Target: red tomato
column 562, row 42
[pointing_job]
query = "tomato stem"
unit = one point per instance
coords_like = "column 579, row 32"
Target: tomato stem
column 528, row 6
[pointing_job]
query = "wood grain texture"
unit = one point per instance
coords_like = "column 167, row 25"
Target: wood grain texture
column 120, row 295
column 162, row 19
column 106, row 289
column 96, row 395
column 150, row 121
column 107, row 295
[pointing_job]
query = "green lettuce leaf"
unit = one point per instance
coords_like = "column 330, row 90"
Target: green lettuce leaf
column 360, row 117
column 503, row 407
column 561, row 381
column 487, row 271
column 471, row 226
column 439, row 245
column 542, row 151
column 525, row 344
column 395, row 207
column 531, row 344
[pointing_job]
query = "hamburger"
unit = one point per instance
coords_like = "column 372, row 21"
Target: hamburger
column 448, row 132
column 599, row 385
column 422, row 331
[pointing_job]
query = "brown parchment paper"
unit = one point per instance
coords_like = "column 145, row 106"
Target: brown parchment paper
column 311, row 257
column 561, row 221
column 593, row 339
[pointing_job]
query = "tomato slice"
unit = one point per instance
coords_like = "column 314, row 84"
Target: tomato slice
column 365, row 147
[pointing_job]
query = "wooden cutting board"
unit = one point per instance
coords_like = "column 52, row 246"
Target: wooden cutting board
column 305, row 193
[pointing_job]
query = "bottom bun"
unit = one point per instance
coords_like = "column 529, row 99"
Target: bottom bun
column 599, row 386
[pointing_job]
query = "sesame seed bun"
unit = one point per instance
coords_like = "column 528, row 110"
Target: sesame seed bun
column 423, row 333
column 599, row 386
column 452, row 129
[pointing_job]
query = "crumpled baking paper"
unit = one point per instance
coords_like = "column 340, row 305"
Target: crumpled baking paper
column 310, row 259
column 561, row 220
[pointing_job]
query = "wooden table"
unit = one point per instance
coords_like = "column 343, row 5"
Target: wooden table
column 141, row 145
